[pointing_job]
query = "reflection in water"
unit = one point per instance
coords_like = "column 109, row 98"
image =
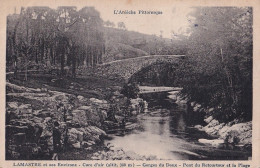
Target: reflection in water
column 166, row 132
column 180, row 124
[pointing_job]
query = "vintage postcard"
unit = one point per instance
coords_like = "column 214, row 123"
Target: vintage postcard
column 130, row 83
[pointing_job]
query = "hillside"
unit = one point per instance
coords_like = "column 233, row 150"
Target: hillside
column 123, row 44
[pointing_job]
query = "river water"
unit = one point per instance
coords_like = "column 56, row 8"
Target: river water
column 166, row 131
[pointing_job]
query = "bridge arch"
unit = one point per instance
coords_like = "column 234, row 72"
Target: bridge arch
column 159, row 73
column 126, row 68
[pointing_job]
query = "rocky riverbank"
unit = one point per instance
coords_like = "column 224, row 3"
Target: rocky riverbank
column 30, row 114
column 225, row 135
column 228, row 135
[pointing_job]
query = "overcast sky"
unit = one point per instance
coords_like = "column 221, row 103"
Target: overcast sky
column 173, row 19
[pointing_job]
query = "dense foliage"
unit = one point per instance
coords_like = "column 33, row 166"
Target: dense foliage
column 130, row 90
column 63, row 38
column 217, row 72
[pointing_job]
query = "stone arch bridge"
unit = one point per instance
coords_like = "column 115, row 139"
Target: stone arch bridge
column 127, row 67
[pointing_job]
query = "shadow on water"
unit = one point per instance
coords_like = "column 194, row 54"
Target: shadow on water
column 167, row 131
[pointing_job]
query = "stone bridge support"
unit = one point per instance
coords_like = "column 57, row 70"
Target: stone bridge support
column 127, row 67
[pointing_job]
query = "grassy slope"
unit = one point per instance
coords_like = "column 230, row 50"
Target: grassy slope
column 123, row 44
column 87, row 86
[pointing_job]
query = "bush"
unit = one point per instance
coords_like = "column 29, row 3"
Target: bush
column 130, row 90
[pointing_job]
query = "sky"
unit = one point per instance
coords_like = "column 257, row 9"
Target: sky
column 173, row 18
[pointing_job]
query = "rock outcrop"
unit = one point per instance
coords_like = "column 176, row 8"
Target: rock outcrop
column 30, row 114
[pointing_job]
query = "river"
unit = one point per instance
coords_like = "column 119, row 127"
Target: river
column 167, row 132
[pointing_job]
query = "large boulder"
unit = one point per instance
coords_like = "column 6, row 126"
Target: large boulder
column 61, row 97
column 37, row 120
column 213, row 123
column 80, row 117
column 81, row 98
column 25, row 109
column 89, row 114
column 75, row 136
column 196, row 107
column 237, row 133
column 13, row 105
column 94, row 116
column 76, row 145
column 93, row 133
column 102, row 104
column 96, row 130
column 213, row 126
column 213, row 130
column 89, row 135
column 209, row 119
column 84, row 108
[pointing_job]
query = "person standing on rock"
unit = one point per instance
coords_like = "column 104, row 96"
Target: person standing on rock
column 112, row 110
column 56, row 141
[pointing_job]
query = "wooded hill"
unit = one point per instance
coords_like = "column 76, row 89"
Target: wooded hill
column 122, row 44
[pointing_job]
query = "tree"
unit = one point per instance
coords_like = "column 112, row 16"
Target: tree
column 130, row 90
column 109, row 23
column 61, row 38
column 218, row 68
column 24, row 39
column 121, row 25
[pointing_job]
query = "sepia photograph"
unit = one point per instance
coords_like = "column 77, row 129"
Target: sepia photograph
column 86, row 82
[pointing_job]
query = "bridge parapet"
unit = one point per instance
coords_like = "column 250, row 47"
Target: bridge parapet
column 127, row 67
